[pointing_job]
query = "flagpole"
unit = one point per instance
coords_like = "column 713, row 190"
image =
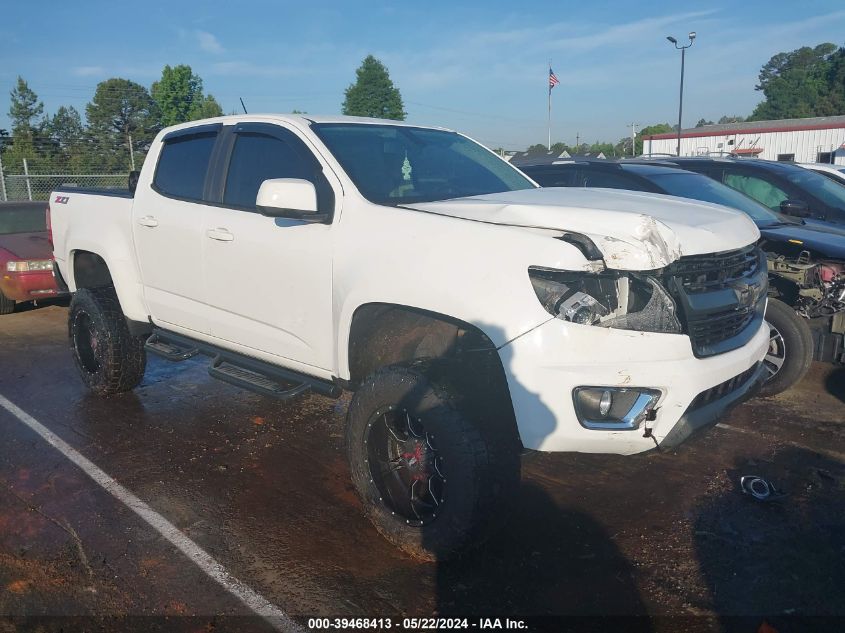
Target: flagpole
column 550, row 107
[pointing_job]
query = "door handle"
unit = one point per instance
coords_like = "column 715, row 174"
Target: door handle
column 220, row 234
column 148, row 220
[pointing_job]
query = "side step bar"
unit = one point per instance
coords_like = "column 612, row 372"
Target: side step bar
column 240, row 377
column 239, row 370
column 171, row 351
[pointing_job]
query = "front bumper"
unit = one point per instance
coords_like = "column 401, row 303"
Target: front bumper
column 28, row 286
column 544, row 366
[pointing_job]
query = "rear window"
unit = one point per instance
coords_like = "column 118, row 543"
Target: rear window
column 30, row 219
column 183, row 164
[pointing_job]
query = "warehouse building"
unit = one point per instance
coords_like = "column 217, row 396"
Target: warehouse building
column 814, row 140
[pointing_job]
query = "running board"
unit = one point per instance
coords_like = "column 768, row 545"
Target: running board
column 169, row 350
column 254, row 381
column 242, row 371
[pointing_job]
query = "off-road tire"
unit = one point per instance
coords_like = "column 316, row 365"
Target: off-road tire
column 7, row 306
column 795, row 347
column 480, row 470
column 109, row 359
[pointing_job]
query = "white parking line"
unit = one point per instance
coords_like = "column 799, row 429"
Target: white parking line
column 250, row 598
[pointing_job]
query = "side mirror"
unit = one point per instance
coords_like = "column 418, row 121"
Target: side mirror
column 133, row 180
column 289, row 198
column 795, row 208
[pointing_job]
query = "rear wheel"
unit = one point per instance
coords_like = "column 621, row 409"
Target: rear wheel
column 790, row 348
column 109, row 359
column 7, row 306
column 430, row 477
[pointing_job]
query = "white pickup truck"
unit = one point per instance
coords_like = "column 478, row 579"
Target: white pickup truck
column 472, row 313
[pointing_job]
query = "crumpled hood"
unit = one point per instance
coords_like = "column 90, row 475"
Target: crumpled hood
column 633, row 230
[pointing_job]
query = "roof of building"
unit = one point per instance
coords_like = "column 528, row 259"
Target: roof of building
column 526, row 158
column 752, row 127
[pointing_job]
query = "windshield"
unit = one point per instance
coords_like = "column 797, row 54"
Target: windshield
column 28, row 219
column 828, row 191
column 393, row 165
column 706, row 189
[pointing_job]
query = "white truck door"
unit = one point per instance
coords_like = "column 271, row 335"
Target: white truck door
column 167, row 219
column 269, row 280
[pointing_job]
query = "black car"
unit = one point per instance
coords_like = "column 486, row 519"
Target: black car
column 805, row 258
column 779, row 186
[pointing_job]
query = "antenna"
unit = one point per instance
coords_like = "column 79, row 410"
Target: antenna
column 242, row 105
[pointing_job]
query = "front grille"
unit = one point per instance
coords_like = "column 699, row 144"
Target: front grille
column 719, row 296
column 720, row 327
column 723, row 389
column 702, row 273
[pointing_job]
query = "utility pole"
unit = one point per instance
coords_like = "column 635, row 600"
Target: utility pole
column 577, row 141
column 633, row 140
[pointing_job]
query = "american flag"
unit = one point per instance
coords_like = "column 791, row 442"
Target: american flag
column 553, row 80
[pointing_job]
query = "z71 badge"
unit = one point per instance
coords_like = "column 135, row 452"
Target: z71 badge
column 61, row 199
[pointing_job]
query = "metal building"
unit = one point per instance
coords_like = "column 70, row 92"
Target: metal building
column 813, row 140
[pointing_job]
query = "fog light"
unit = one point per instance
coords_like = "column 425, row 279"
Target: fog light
column 608, row 408
column 605, row 403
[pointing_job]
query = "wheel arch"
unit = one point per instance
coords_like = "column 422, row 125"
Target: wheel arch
column 383, row 334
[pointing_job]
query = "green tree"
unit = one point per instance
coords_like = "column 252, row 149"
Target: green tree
column 122, row 115
column 25, row 113
column 703, row 122
column 68, row 140
column 373, row 93
column 796, row 84
column 658, row 128
column 179, row 97
column 25, row 110
column 732, row 119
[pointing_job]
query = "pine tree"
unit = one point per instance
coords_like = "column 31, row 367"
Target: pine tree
column 373, row 93
column 25, row 110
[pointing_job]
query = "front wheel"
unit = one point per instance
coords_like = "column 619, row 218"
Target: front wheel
column 429, row 477
column 790, row 348
column 109, row 359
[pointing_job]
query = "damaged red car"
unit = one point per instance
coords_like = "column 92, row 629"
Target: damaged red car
column 26, row 255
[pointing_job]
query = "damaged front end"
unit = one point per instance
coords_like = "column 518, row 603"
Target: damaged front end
column 815, row 288
column 718, row 300
column 627, row 301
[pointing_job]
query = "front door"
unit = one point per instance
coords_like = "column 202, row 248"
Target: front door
column 269, row 280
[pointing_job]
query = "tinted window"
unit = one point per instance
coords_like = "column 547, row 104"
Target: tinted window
column 761, row 190
column 555, row 177
column 183, row 164
column 702, row 188
column 609, row 180
column 828, row 191
column 256, row 158
column 23, row 219
column 392, row 164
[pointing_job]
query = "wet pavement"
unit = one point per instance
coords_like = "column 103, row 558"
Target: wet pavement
column 263, row 487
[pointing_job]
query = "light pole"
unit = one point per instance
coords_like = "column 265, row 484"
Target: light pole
column 683, row 50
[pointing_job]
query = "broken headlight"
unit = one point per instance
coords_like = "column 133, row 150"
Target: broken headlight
column 608, row 299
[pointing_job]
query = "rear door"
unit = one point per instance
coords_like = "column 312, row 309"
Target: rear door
column 167, row 220
column 269, row 280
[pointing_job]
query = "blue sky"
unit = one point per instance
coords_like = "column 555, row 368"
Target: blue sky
column 477, row 67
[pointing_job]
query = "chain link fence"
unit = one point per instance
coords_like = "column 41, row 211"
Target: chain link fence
column 15, row 187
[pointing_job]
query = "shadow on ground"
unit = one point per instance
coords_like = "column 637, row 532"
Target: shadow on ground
column 835, row 384
column 755, row 556
column 547, row 561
